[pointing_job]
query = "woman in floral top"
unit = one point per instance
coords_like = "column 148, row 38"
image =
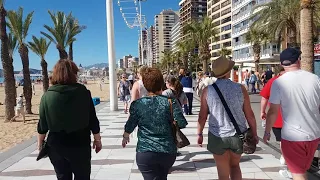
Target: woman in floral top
column 156, row 149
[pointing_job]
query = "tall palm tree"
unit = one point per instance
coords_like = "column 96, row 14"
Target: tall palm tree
column 7, row 66
column 73, row 29
column 185, row 47
column 256, row 38
column 12, row 45
column 306, row 16
column 59, row 32
column 201, row 33
column 279, row 17
column 19, row 28
column 225, row 52
column 40, row 47
column 166, row 60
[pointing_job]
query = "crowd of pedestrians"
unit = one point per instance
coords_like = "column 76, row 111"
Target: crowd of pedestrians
column 155, row 104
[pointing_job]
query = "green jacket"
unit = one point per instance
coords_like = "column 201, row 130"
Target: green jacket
column 67, row 108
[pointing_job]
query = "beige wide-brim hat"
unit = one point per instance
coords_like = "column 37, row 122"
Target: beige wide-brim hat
column 222, row 66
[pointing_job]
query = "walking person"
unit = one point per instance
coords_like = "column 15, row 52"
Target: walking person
column 175, row 90
column 156, row 149
column 187, row 84
column 223, row 141
column 68, row 117
column 277, row 126
column 19, row 109
column 297, row 92
column 124, row 92
column 252, row 82
column 138, row 89
column 246, row 77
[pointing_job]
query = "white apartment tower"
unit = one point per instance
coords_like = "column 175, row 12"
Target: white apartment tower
column 164, row 23
column 175, row 36
column 242, row 52
column 220, row 13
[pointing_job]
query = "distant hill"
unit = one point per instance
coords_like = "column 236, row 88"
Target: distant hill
column 99, row 65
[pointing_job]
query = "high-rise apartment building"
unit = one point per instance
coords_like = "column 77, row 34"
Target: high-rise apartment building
column 164, row 23
column 220, row 13
column 242, row 50
column 121, row 63
column 192, row 10
column 151, row 52
column 126, row 61
column 175, row 36
column 143, row 56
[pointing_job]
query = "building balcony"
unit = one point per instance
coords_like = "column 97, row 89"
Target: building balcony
column 240, row 4
column 241, row 17
column 240, row 31
column 266, row 54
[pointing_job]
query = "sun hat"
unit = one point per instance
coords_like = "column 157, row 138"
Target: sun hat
column 289, row 56
column 222, row 66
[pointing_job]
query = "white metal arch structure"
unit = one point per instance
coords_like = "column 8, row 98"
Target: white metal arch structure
column 132, row 16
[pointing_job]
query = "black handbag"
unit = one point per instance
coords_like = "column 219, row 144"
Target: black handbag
column 249, row 142
column 180, row 139
column 44, row 151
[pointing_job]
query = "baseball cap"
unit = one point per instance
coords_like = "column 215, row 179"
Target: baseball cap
column 289, row 56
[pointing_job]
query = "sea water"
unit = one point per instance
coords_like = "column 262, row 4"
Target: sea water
column 18, row 79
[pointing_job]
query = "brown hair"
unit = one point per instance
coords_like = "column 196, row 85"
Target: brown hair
column 64, row 72
column 178, row 88
column 153, row 80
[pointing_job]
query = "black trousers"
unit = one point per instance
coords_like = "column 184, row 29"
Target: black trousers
column 188, row 109
column 67, row 161
column 155, row 166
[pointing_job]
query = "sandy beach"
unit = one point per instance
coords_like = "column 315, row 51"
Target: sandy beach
column 14, row 133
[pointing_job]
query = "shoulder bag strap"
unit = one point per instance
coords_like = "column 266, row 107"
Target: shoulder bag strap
column 233, row 120
column 171, row 110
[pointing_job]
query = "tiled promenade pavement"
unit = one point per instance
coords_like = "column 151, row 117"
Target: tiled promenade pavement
column 117, row 163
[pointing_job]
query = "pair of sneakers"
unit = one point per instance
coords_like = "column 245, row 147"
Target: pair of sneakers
column 284, row 172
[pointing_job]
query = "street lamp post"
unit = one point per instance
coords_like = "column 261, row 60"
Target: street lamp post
column 111, row 56
column 141, row 35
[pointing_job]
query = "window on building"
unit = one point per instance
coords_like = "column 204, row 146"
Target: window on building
column 225, row 20
column 226, row 36
column 227, row 44
column 226, row 11
column 226, row 28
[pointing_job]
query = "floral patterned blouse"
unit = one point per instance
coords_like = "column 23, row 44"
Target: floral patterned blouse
column 152, row 116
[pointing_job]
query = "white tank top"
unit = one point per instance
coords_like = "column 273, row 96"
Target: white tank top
column 142, row 90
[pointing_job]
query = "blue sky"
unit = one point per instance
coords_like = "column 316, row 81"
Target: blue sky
column 91, row 44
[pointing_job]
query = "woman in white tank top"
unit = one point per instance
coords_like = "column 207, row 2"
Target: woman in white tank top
column 138, row 89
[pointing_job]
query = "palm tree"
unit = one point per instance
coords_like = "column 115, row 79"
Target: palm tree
column 277, row 18
column 73, row 29
column 166, row 60
column 306, row 16
column 19, row 27
column 224, row 52
column 40, row 47
column 256, row 38
column 7, row 66
column 59, row 32
column 201, row 33
column 12, row 45
column 185, row 47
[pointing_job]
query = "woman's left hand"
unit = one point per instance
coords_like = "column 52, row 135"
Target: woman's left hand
column 125, row 141
column 40, row 144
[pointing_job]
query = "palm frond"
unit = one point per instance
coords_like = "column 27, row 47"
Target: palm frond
column 39, row 46
column 18, row 26
column 12, row 43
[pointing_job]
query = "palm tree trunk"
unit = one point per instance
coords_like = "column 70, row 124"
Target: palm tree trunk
column 71, row 52
column 205, row 65
column 8, row 73
column 45, row 80
column 27, row 88
column 306, row 20
column 62, row 53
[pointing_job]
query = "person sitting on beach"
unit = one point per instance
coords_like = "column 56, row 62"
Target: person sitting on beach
column 124, row 92
column 67, row 112
column 19, row 109
column 138, row 89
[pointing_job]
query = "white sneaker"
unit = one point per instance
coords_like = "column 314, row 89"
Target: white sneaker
column 282, row 160
column 285, row 173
